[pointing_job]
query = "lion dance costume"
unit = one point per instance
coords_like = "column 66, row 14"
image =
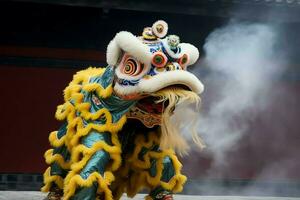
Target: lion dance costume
column 115, row 138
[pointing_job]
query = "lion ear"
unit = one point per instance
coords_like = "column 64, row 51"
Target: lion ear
column 192, row 52
column 127, row 42
column 113, row 53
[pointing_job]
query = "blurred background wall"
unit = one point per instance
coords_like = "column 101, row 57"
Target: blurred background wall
column 43, row 43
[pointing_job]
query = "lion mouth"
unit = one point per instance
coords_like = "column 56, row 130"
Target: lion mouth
column 150, row 108
column 151, row 105
column 148, row 111
column 154, row 105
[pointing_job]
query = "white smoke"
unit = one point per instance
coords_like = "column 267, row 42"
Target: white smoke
column 243, row 62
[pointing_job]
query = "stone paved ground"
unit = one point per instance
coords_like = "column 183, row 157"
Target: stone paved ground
column 19, row 195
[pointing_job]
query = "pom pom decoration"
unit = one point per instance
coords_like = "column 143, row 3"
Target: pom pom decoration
column 160, row 28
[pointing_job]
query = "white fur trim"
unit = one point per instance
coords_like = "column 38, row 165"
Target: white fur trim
column 124, row 90
column 166, row 79
column 169, row 51
column 191, row 50
column 161, row 81
column 165, row 28
column 129, row 43
column 113, row 53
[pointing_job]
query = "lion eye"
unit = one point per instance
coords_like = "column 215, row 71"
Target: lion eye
column 183, row 60
column 159, row 59
column 132, row 67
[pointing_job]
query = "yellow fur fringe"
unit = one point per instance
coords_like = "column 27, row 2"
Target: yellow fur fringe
column 148, row 197
column 140, row 178
column 103, row 184
column 54, row 141
column 48, row 180
column 51, row 158
column 75, row 130
column 81, row 154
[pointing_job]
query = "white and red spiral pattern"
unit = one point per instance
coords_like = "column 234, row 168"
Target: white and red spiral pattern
column 131, row 66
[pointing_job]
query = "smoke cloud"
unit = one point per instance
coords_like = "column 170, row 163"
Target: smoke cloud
column 243, row 61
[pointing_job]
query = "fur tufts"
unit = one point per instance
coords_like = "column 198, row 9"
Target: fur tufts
column 113, row 53
column 127, row 42
column 57, row 158
column 49, row 180
column 192, row 52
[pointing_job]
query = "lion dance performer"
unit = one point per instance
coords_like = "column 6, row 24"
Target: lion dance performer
column 117, row 135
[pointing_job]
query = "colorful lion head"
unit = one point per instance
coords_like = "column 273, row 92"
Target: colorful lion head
column 152, row 69
column 151, row 62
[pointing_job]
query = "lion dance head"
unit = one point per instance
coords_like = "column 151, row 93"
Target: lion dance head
column 152, row 69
